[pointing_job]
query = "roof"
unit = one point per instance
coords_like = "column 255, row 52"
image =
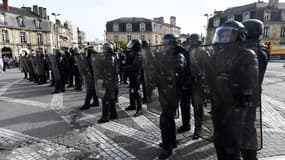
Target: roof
column 19, row 11
column 129, row 19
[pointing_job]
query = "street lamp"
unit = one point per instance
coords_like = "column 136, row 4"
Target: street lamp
column 56, row 29
column 206, row 27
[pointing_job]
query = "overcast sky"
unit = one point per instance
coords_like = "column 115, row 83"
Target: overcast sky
column 91, row 15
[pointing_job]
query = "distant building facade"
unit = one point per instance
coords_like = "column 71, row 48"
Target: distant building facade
column 271, row 13
column 28, row 30
column 125, row 29
column 24, row 30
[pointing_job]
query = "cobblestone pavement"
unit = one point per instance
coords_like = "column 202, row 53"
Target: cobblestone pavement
column 44, row 126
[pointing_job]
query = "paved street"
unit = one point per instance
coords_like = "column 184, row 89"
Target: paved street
column 38, row 125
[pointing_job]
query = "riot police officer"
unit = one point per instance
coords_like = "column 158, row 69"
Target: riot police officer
column 198, row 81
column 110, row 81
column 171, row 53
column 90, row 87
column 184, row 94
column 232, row 76
column 144, row 43
column 60, row 84
column 133, row 68
column 255, row 32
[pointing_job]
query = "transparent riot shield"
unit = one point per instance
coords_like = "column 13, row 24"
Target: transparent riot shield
column 40, row 64
column 21, row 64
column 104, row 77
column 84, row 69
column 160, row 78
column 231, row 75
column 54, row 66
column 28, row 63
column 34, row 64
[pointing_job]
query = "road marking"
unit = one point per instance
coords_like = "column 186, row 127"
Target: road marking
column 25, row 102
column 107, row 147
column 271, row 115
column 7, row 86
column 275, row 81
column 142, row 121
column 136, row 134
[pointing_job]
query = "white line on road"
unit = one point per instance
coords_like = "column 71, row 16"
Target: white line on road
column 7, row 86
column 271, row 115
column 142, row 121
column 108, row 148
column 275, row 81
column 138, row 135
column 24, row 102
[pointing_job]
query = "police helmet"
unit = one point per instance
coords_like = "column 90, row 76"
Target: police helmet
column 144, row 43
column 230, row 31
column 134, row 45
column 169, row 39
column 254, row 28
column 194, row 40
column 108, row 48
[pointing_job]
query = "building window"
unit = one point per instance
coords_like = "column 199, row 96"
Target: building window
column 129, row 37
column 5, row 36
column 245, row 16
column 282, row 34
column 116, row 38
column 216, row 22
column 142, row 37
column 266, row 31
column 283, row 15
column 20, row 21
column 2, row 18
column 38, row 23
column 156, row 40
column 129, row 27
column 40, row 39
column 23, row 37
column 142, row 27
column 231, row 17
column 116, row 27
column 267, row 15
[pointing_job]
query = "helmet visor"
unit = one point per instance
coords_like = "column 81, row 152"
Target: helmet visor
column 225, row 35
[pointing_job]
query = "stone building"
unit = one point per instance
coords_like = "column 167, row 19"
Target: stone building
column 125, row 29
column 24, row 30
column 271, row 13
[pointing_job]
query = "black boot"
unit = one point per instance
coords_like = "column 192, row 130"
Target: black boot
column 105, row 112
column 113, row 114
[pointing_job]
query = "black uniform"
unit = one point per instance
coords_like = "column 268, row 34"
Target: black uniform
column 255, row 32
column 134, row 68
column 232, row 76
column 110, row 83
column 171, row 64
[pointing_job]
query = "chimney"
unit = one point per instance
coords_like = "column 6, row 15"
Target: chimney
column 274, row 3
column 173, row 20
column 41, row 12
column 5, row 5
column 35, row 9
column 44, row 13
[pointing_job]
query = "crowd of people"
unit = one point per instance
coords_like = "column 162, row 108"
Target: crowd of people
column 227, row 75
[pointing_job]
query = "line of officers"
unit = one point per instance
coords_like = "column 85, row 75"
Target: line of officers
column 193, row 86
